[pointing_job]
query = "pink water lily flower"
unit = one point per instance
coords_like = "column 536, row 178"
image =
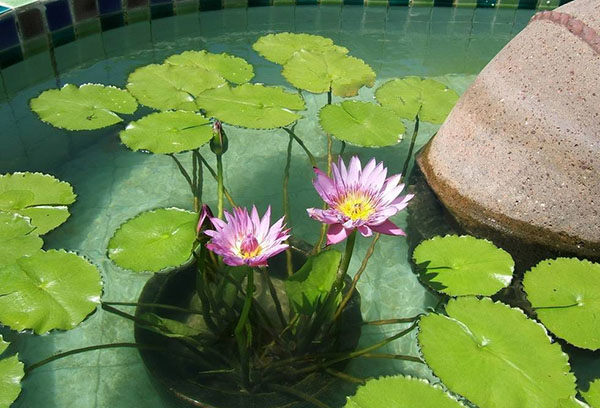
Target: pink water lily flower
column 358, row 198
column 246, row 239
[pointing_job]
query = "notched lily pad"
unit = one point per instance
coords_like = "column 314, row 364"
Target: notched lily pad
column 407, row 95
column 88, row 107
column 565, row 294
column 463, row 265
column 362, row 123
column 17, row 238
column 11, row 374
column 401, row 392
column 252, row 106
column 279, row 48
column 48, row 290
column 154, row 240
column 592, row 395
column 40, row 197
column 168, row 86
column 495, row 356
column 234, row 69
column 318, row 72
column 167, row 132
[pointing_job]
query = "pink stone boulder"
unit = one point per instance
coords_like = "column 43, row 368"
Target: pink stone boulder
column 519, row 155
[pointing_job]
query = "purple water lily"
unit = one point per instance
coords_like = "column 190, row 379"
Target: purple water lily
column 246, row 239
column 358, row 198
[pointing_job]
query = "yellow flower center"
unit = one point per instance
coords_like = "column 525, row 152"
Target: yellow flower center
column 356, row 206
column 249, row 247
column 252, row 253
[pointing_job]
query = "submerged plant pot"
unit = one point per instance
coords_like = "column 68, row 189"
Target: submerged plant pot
column 174, row 367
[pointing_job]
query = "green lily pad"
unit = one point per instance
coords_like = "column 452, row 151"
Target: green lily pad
column 17, row 238
column 318, row 72
column 48, row 290
column 3, row 345
column 405, row 97
column 252, row 105
column 168, row 132
column 401, row 392
column 465, row 265
column 11, row 374
column 495, row 356
column 167, row 86
column 362, row 123
column 88, row 107
column 565, row 294
column 40, row 197
column 154, row 240
column 592, row 395
column 279, row 48
column 313, row 281
column 233, row 69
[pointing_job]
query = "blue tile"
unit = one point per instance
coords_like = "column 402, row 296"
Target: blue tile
column 11, row 56
column 109, row 6
column 8, row 32
column 58, row 14
column 3, row 9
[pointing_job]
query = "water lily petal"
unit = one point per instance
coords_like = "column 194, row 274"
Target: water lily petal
column 336, row 233
column 389, row 228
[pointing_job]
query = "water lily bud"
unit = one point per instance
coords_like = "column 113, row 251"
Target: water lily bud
column 204, row 222
column 219, row 143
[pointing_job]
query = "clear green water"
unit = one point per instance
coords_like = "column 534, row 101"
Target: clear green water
column 114, row 184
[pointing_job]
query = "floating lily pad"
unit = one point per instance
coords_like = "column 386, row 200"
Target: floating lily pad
column 90, row 106
column 169, row 86
column 252, row 105
column 154, row 240
column 11, row 374
column 495, row 356
column 279, row 48
column 592, row 395
column 318, row 72
column 40, row 197
column 313, row 281
column 405, row 97
column 401, row 392
column 362, row 123
column 565, row 294
column 168, row 132
column 464, row 265
column 17, row 238
column 233, row 69
column 48, row 290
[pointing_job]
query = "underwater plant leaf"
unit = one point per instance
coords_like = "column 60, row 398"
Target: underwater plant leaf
column 463, row 265
column 592, row 395
column 234, row 69
column 565, row 293
column 40, row 197
column 495, row 356
column 154, row 240
column 168, row 327
column 362, row 123
column 405, row 96
column 317, row 72
column 17, row 238
column 167, row 86
column 279, row 48
column 48, row 290
column 11, row 374
column 88, row 107
column 167, row 132
column 313, row 281
column 401, row 392
column 252, row 105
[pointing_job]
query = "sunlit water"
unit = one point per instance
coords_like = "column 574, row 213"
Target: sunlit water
column 114, row 184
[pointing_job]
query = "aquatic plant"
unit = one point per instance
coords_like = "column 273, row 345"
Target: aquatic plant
column 293, row 341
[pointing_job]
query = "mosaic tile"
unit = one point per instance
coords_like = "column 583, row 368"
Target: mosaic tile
column 84, row 9
column 16, row 3
column 31, row 23
column 8, row 29
column 88, row 27
column 161, row 10
column 10, row 56
column 35, row 46
column 58, row 14
column 64, row 36
column 109, row 22
column 4, row 9
column 109, row 6
column 137, row 15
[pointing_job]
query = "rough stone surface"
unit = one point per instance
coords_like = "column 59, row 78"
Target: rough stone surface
column 520, row 153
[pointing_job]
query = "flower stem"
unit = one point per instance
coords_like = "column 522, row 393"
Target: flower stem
column 345, row 262
column 214, row 175
column 220, row 186
column 200, row 177
column 359, row 273
column 412, row 146
column 286, row 205
column 239, row 330
column 201, row 290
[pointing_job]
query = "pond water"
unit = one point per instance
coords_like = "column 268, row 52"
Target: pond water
column 113, row 184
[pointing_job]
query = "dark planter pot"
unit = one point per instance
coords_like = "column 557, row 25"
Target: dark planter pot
column 174, row 371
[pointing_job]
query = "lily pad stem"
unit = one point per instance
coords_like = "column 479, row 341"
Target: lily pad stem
column 411, row 147
column 184, row 172
column 220, row 186
column 286, row 205
column 214, row 175
column 311, row 158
